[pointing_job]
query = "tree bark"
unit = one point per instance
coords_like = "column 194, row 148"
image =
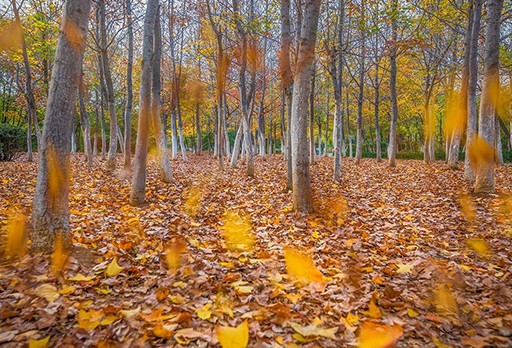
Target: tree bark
column 469, row 173
column 490, row 95
column 50, row 209
column 312, row 158
column 392, row 87
column 129, row 91
column 86, row 128
column 377, row 127
column 302, row 192
column 163, row 156
column 141, row 148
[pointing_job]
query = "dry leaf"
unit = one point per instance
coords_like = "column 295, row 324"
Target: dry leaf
column 233, row 337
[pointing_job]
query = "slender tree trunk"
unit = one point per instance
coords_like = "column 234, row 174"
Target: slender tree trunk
column 199, row 137
column 180, row 131
column 86, row 128
column 302, row 192
column 359, row 141
column 96, row 120
column 469, row 173
column 336, row 71
column 377, row 127
column 129, row 91
column 29, row 91
column 312, row 158
column 458, row 130
column 141, row 147
column 392, row 87
column 111, row 159
column 490, row 94
column 50, row 209
column 163, row 156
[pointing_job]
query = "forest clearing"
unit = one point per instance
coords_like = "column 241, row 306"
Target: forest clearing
column 411, row 247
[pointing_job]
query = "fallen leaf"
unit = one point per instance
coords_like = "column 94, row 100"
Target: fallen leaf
column 113, row 268
column 233, row 337
column 301, row 266
column 379, row 335
column 48, row 291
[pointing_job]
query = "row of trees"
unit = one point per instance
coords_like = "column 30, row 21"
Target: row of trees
column 258, row 75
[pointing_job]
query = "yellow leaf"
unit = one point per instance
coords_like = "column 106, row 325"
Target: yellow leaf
column 440, row 344
column 468, row 207
column 38, row 343
column 192, row 203
column 204, row 312
column 67, row 290
column 480, row 152
column 49, row 292
column 113, row 268
column 81, row 278
column 10, row 38
column 313, row 330
column 480, row 246
column 90, row 319
column 412, row 313
column 352, row 318
column 378, row 335
column 444, row 300
column 404, row 268
column 293, row 298
column 174, row 252
column 162, row 332
column 128, row 313
column 237, row 231
column 301, row 266
column 233, row 337
column 373, row 311
column 16, row 236
column 109, row 319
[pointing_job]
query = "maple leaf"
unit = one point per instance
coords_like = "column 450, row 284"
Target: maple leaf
column 233, row 337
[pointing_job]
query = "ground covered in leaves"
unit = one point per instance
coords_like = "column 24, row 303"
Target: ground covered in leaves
column 407, row 253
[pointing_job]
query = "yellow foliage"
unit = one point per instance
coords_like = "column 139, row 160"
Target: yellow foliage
column 233, row 337
column 38, row 343
column 301, row 266
column 16, row 236
column 237, row 231
column 379, row 335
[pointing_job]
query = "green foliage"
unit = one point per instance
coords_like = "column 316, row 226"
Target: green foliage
column 12, row 140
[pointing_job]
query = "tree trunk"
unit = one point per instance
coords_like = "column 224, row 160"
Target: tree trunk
column 469, row 173
column 111, row 159
column 377, row 127
column 302, row 192
column 312, row 158
column 129, row 91
column 163, row 156
column 29, row 91
column 458, row 130
column 490, row 94
column 86, row 128
column 50, row 209
column 141, row 148
column 359, row 141
column 392, row 87
column 199, row 137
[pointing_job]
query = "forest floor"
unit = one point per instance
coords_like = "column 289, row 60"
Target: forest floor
column 406, row 252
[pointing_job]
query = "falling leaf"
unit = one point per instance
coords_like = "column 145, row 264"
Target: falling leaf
column 379, row 335
column 237, row 231
column 162, row 332
column 59, row 256
column 480, row 246
column 300, row 266
column 233, row 337
column 73, row 34
column 192, row 203
column 468, row 207
column 480, row 152
column 48, row 291
column 16, row 236
column 113, row 268
column 313, row 330
column 444, row 300
column 173, row 254
column 42, row 343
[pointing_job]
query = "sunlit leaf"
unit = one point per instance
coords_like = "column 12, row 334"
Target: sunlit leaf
column 173, row 254
column 16, row 236
column 42, row 343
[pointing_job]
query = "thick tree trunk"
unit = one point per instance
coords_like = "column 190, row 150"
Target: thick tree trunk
column 141, row 148
column 469, row 173
column 490, row 95
column 163, row 156
column 392, row 87
column 302, row 192
column 129, row 91
column 50, row 209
